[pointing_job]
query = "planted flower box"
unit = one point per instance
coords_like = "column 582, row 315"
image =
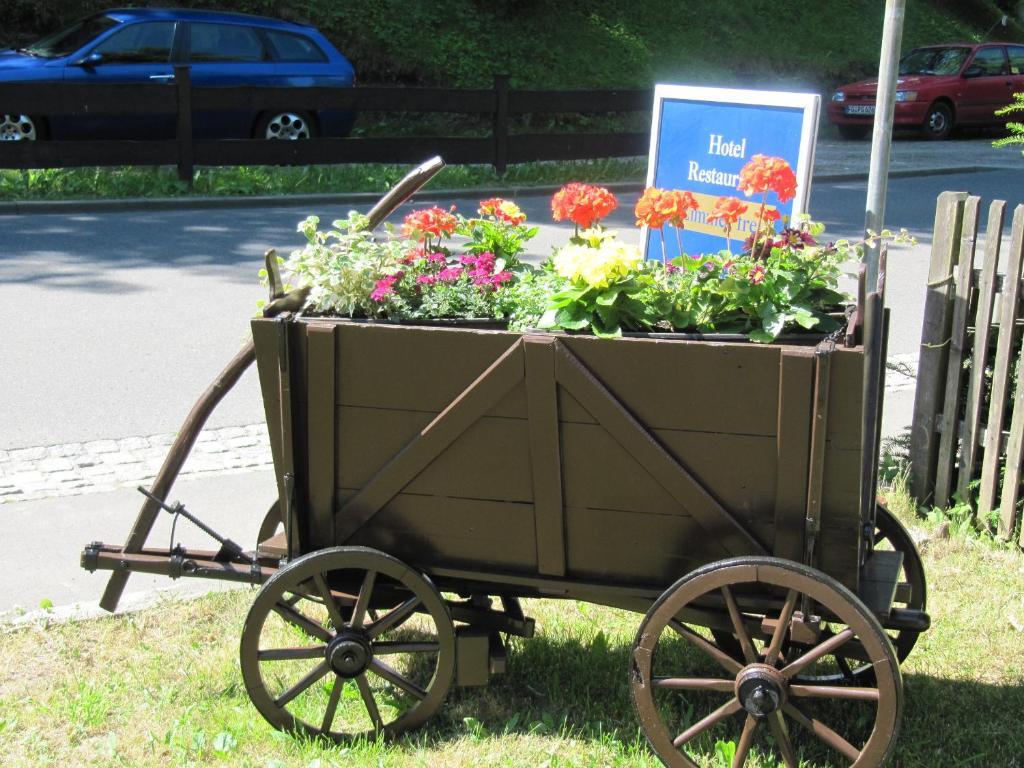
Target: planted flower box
column 627, row 461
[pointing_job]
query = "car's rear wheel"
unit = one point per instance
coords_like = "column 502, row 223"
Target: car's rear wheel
column 853, row 131
column 289, row 126
column 19, row 128
column 938, row 123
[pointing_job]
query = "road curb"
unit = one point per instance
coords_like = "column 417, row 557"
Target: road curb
column 28, row 207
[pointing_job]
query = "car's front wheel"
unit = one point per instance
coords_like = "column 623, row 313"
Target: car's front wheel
column 19, row 128
column 938, row 123
column 290, row 126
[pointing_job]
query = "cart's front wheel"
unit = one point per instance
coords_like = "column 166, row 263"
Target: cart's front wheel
column 347, row 641
column 693, row 697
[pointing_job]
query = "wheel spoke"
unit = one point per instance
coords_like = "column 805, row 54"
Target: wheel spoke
column 393, row 677
column 303, row 622
column 828, row 646
column 693, row 684
column 780, row 629
column 725, row 660
column 746, row 740
column 369, row 701
column 332, row 705
column 318, row 672
column 731, row 707
column 778, row 726
column 359, row 612
column 328, row 598
column 824, row 733
column 834, row 692
column 393, row 618
column 844, row 667
column 385, row 647
column 749, row 655
column 292, row 654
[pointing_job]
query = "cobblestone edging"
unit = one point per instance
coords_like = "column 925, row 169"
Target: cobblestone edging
column 103, row 465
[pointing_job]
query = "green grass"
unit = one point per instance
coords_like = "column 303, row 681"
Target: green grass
column 162, row 686
column 90, row 183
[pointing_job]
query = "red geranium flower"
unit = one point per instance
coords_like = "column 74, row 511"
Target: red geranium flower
column 429, row 222
column 582, row 204
column 658, row 207
column 768, row 174
column 727, row 210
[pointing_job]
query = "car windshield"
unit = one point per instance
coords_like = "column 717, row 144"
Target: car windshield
column 933, row 61
column 69, row 40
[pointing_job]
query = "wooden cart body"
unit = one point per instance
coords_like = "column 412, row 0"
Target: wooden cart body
column 563, row 465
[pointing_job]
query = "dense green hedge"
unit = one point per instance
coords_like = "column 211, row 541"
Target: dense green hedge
column 587, row 43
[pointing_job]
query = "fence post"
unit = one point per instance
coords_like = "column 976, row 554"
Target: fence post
column 935, row 337
column 500, row 123
column 183, row 84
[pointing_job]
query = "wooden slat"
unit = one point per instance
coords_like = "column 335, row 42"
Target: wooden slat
column 992, row 464
column 359, row 99
column 493, row 384
column 793, row 444
column 530, row 102
column 545, row 458
column 979, row 355
column 819, row 432
column 320, row 423
column 631, row 435
column 88, row 99
column 312, row 151
column 954, row 365
column 1015, row 445
column 934, row 342
column 76, row 154
column 525, row 148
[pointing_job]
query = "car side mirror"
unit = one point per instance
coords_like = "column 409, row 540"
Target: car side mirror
column 89, row 61
column 974, row 71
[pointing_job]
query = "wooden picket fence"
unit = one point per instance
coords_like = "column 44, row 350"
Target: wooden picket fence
column 968, row 421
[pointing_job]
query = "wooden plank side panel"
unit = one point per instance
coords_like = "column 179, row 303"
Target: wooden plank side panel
column 992, row 464
column 636, row 548
column 934, row 343
column 839, row 541
column 465, row 409
column 320, row 432
column 264, row 336
column 545, row 454
column 950, row 419
column 979, row 354
column 429, row 531
column 793, row 452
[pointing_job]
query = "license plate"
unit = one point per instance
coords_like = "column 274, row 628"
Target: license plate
column 859, row 109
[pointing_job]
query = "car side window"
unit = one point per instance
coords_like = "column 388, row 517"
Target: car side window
column 1016, row 53
column 991, row 61
column 295, row 48
column 224, row 42
column 145, row 43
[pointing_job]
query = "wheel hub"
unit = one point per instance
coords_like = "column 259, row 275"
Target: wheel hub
column 349, row 654
column 760, row 689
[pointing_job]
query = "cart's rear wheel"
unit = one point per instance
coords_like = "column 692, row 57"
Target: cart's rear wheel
column 271, row 522
column 690, row 694
column 315, row 659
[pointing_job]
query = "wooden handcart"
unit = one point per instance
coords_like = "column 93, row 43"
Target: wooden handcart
column 431, row 477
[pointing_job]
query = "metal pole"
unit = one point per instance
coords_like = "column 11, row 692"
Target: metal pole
column 881, row 140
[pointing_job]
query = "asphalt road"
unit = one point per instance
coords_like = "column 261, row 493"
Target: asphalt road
column 116, row 321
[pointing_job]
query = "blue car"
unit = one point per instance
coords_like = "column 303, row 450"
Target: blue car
column 144, row 45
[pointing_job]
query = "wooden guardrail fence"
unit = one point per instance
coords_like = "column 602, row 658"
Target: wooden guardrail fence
column 181, row 98
column 969, row 408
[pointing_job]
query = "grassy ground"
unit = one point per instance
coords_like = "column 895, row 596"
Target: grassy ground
column 162, row 687
column 91, row 183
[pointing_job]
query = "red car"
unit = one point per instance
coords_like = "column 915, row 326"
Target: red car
column 940, row 86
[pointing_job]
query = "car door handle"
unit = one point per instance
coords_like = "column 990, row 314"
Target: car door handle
column 161, row 77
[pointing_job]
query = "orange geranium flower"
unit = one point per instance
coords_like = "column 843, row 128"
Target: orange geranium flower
column 429, row 222
column 728, row 211
column 771, row 215
column 658, row 207
column 768, row 174
column 503, row 210
column 582, row 204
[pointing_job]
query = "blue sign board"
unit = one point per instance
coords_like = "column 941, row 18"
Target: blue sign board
column 702, row 137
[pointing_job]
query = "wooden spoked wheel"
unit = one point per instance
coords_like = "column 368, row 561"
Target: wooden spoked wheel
column 272, row 521
column 912, row 589
column 692, row 695
column 345, row 642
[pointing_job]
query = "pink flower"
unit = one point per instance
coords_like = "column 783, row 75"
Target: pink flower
column 501, row 277
column 426, row 279
column 449, row 274
column 386, row 286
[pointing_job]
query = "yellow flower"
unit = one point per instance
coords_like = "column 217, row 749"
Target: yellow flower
column 600, row 266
